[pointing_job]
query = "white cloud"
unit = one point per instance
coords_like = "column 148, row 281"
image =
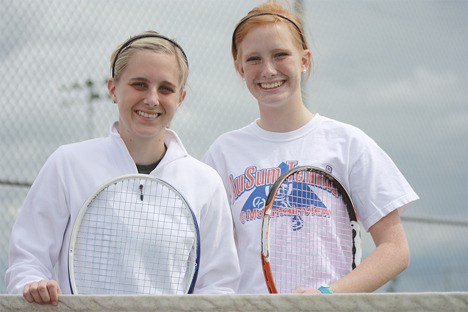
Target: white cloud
column 422, row 87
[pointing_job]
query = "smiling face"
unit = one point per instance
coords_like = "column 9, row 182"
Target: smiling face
column 148, row 93
column 271, row 64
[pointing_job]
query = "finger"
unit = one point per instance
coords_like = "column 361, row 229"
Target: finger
column 53, row 290
column 34, row 292
column 27, row 293
column 303, row 290
column 43, row 291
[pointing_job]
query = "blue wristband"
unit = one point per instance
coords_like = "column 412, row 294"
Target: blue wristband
column 326, row 290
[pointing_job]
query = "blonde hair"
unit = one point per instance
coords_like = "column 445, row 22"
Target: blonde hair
column 152, row 41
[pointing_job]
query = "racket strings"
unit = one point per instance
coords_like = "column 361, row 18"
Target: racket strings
column 135, row 240
column 310, row 240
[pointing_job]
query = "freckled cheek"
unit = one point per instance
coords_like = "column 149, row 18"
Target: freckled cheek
column 250, row 78
column 251, row 73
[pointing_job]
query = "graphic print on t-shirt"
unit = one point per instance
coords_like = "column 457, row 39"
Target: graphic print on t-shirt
column 288, row 203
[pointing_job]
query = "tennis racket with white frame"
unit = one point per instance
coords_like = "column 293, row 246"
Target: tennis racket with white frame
column 310, row 232
column 135, row 235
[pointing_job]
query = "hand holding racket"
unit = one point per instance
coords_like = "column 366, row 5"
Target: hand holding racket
column 135, row 235
column 310, row 233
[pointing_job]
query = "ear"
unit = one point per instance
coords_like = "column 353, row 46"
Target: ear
column 239, row 68
column 182, row 96
column 111, row 88
column 306, row 59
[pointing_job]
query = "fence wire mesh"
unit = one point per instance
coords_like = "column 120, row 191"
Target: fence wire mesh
column 54, row 64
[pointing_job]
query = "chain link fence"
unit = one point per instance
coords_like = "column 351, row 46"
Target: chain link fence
column 54, row 64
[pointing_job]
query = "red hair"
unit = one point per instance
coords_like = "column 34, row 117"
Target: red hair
column 264, row 14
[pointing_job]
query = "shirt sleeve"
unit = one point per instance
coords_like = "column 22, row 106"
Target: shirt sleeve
column 219, row 265
column 37, row 234
column 208, row 159
column 377, row 186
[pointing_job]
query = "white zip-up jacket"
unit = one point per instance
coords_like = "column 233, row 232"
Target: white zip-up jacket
column 40, row 237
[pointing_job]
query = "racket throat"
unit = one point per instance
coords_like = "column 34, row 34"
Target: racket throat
column 141, row 192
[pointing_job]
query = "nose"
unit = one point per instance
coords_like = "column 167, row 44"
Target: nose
column 268, row 69
column 151, row 97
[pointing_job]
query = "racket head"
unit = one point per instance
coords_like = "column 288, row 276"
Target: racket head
column 135, row 235
column 310, row 232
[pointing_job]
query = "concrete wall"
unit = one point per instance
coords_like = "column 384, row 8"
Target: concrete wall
column 449, row 301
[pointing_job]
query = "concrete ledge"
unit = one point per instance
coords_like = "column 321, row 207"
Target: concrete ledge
column 449, row 301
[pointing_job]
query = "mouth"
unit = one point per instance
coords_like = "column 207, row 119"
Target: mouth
column 148, row 115
column 271, row 85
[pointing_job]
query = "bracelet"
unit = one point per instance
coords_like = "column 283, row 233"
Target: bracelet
column 325, row 289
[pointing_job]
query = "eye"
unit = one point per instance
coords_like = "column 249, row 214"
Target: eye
column 281, row 55
column 167, row 89
column 139, row 85
column 253, row 59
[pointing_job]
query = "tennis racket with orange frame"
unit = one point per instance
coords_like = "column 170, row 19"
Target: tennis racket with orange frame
column 310, row 232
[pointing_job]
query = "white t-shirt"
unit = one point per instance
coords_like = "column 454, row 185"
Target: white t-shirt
column 250, row 159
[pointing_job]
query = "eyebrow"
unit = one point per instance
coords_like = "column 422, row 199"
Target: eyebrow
column 273, row 51
column 147, row 80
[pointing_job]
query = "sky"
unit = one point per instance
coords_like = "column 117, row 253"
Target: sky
column 396, row 69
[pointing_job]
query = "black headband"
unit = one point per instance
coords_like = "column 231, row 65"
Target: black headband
column 133, row 39
column 261, row 14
